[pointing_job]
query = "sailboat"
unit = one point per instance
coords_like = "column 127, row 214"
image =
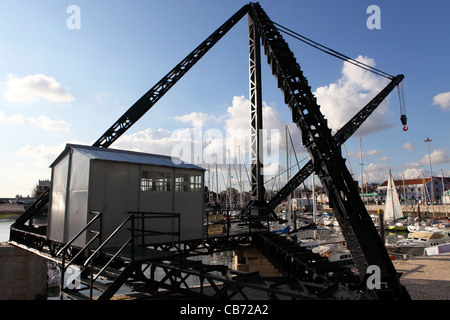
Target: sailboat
column 393, row 213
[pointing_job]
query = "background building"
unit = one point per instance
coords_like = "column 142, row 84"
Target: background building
column 417, row 190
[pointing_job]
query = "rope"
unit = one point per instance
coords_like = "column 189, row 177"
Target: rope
column 332, row 52
column 357, row 63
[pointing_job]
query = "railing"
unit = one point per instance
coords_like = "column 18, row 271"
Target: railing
column 63, row 250
column 90, row 259
column 143, row 232
column 218, row 221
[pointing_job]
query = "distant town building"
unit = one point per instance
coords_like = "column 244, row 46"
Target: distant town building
column 42, row 186
column 446, row 197
column 417, row 190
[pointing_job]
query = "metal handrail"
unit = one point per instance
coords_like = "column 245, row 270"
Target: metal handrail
column 111, row 236
column 89, row 262
column 112, row 259
column 97, row 234
column 90, row 259
column 143, row 232
column 97, row 215
column 64, row 267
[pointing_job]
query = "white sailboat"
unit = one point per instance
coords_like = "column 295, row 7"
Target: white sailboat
column 393, row 210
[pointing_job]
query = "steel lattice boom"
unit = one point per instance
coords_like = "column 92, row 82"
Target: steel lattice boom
column 357, row 227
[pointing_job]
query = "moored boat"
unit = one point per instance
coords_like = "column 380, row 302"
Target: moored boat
column 417, row 241
column 393, row 213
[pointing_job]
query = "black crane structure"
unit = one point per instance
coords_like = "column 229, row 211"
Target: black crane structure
column 361, row 236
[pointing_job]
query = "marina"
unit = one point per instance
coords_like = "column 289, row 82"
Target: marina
column 423, row 275
column 117, row 224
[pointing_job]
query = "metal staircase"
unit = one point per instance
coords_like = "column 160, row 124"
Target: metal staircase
column 105, row 269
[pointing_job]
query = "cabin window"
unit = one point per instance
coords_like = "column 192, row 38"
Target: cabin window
column 196, row 183
column 181, row 182
column 185, row 182
column 156, row 180
column 145, row 181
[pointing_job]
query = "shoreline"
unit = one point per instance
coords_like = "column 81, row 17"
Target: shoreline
column 11, row 210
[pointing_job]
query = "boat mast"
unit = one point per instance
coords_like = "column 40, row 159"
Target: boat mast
column 229, row 178
column 361, row 164
column 443, row 192
column 391, row 182
column 314, row 205
column 404, row 191
column 209, row 185
column 288, row 178
column 217, row 183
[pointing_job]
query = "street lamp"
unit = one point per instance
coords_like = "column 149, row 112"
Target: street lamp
column 428, row 140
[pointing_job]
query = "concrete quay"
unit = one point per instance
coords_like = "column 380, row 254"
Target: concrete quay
column 426, row 277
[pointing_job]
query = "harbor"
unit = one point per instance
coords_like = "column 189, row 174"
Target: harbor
column 426, row 277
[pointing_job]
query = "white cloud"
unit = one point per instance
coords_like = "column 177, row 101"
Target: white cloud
column 372, row 152
column 408, row 146
column 340, row 101
column 412, row 173
column 237, row 126
column 442, row 99
column 32, row 88
column 357, row 154
column 157, row 141
column 15, row 118
column 44, row 154
column 437, row 157
column 48, row 124
column 197, row 117
column 201, row 144
column 375, row 172
column 41, row 121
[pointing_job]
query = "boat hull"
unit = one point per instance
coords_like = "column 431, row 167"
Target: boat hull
column 412, row 251
column 397, row 228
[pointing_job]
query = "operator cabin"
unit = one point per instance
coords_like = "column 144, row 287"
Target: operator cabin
column 117, row 182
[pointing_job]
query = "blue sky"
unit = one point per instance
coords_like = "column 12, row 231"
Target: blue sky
column 60, row 85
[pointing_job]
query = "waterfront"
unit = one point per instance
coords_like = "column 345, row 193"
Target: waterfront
column 425, row 277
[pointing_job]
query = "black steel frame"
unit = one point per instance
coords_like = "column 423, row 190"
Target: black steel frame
column 361, row 236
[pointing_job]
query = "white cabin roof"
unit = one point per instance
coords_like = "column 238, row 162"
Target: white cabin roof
column 116, row 155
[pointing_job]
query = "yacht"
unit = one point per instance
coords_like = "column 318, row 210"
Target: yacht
column 417, row 241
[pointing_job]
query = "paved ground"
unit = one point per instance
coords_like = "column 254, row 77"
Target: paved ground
column 426, row 277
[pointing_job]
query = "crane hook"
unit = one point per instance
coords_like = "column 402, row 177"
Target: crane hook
column 403, row 120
